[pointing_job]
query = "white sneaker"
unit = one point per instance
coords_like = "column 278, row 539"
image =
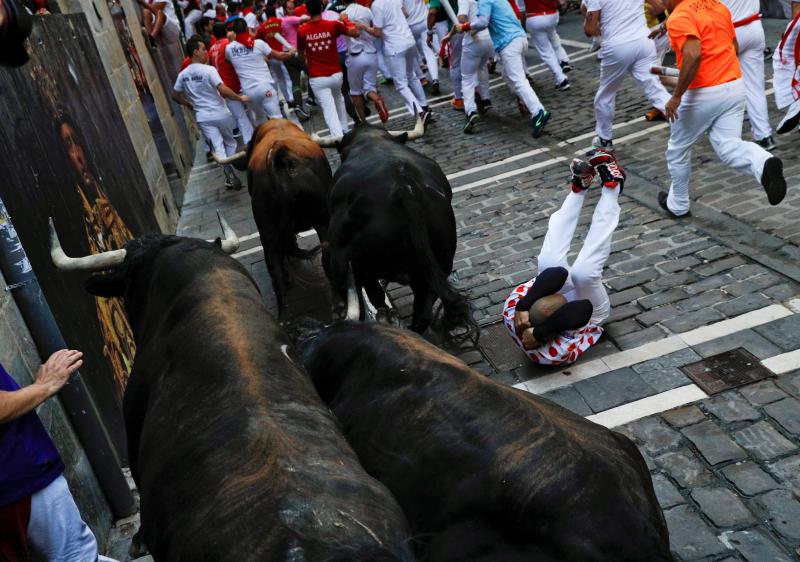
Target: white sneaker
column 790, row 120
column 605, row 144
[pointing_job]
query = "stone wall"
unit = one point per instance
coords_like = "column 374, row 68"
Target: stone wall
column 118, row 71
column 21, row 360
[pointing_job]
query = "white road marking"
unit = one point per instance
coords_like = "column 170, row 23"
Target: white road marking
column 579, row 44
column 652, row 350
column 502, row 162
column 783, row 363
column 248, row 237
column 256, row 249
column 512, row 173
column 636, row 135
column 648, row 406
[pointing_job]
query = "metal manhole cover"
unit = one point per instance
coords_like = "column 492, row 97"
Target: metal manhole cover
column 727, row 370
column 500, row 349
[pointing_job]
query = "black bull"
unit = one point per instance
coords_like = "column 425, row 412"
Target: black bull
column 234, row 455
column 391, row 219
column 489, row 472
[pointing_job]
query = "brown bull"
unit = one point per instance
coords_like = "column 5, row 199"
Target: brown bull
column 289, row 178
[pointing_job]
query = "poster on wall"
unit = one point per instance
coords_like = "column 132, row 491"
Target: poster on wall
column 66, row 153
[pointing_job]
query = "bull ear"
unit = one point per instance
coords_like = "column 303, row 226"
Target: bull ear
column 401, row 138
column 107, row 285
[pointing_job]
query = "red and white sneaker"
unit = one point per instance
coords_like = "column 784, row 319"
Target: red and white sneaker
column 612, row 175
column 582, row 175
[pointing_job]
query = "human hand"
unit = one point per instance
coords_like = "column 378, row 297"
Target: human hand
column 671, row 108
column 429, row 40
column 528, row 341
column 522, row 321
column 657, row 31
column 57, row 370
column 244, row 99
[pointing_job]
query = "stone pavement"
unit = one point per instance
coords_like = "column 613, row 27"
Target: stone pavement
column 726, row 467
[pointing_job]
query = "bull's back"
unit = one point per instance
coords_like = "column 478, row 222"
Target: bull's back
column 237, row 458
column 452, row 445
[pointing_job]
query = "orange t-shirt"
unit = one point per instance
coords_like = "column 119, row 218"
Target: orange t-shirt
column 710, row 21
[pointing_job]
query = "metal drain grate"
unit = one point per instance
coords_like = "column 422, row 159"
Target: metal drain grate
column 500, row 349
column 726, row 370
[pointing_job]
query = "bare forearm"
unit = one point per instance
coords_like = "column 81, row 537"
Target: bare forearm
column 20, row 402
column 178, row 97
column 689, row 68
column 228, row 93
column 591, row 25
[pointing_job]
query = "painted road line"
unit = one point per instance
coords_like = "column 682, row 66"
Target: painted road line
column 648, row 406
column 636, row 135
column 578, row 44
column 783, row 363
column 652, row 350
column 502, row 162
column 505, row 175
column 255, row 249
column 592, row 134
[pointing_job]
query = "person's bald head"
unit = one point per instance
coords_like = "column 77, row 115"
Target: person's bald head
column 544, row 307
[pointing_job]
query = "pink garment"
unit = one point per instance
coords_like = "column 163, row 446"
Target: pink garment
column 341, row 41
column 289, row 25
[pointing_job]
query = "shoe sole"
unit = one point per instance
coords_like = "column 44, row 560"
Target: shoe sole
column 563, row 88
column 468, row 128
column 663, row 205
column 789, row 122
column 537, row 131
column 773, row 181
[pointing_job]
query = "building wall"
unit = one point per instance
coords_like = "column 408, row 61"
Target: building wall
column 118, row 71
column 21, row 360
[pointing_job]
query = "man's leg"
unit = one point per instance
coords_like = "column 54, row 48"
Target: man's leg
column 256, row 106
column 399, row 72
column 56, row 530
column 324, row 96
column 213, row 135
column 586, row 273
column 295, row 69
column 355, row 76
column 513, row 60
column 345, row 87
column 456, row 50
column 239, row 113
column 560, row 230
column 613, row 69
column 470, row 62
column 413, row 81
column 272, row 106
column 555, row 41
column 276, row 69
column 483, row 72
column 338, row 100
column 420, row 35
column 539, row 27
column 648, row 82
column 226, row 127
column 751, row 59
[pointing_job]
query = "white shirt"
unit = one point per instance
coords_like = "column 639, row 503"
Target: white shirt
column 620, row 20
column 168, row 9
column 469, row 8
column 396, row 35
column 249, row 64
column 252, row 20
column 741, row 9
column 365, row 42
column 416, row 11
column 212, row 13
column 199, row 83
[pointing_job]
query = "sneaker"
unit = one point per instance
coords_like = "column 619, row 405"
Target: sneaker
column 457, row 103
column 564, row 85
column 767, row 143
column 565, row 66
column 790, row 120
column 539, row 122
column 383, row 111
column 654, row 115
column 582, row 175
column 435, row 88
column 472, row 119
column 612, row 175
column 232, row 181
column 605, row 144
column 311, row 101
column 773, row 181
column 302, row 112
column 662, row 202
column 385, row 81
column 483, row 105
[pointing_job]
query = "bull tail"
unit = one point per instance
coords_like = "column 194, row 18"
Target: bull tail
column 280, row 164
column 457, row 311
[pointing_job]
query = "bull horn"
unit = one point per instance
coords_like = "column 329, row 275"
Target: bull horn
column 415, row 133
column 94, row 262
column 325, row 142
column 228, row 159
column 353, row 306
column 230, row 242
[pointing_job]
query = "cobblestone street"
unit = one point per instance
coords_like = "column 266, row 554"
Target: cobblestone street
column 726, row 466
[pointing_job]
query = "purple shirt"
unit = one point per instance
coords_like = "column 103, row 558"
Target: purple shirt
column 29, row 461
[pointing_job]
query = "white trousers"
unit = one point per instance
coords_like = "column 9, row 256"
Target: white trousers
column 513, row 58
column 454, row 62
column 219, row 134
column 619, row 60
column 440, row 30
column 382, row 66
column 662, row 47
column 328, row 93
column 264, row 103
column 474, row 73
column 362, row 73
column 420, row 32
column 751, row 59
column 401, row 67
column 56, row 530
column 278, row 71
column 720, row 111
column 585, row 280
column 547, row 43
column 239, row 113
column 189, row 20
column 786, row 77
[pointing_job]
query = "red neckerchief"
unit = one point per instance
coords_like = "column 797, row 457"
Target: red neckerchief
column 247, row 11
column 246, row 39
column 786, row 36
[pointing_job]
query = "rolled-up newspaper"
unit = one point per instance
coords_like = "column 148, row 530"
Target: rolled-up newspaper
column 449, row 9
column 665, row 71
column 279, row 38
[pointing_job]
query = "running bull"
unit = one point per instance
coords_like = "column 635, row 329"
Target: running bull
column 391, row 218
column 488, row 472
column 289, row 179
column 234, row 455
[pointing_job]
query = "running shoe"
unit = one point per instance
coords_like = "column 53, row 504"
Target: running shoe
column 302, row 112
column 457, row 103
column 767, row 143
column 435, row 88
column 773, row 181
column 539, row 122
column 583, row 174
column 565, row 66
column 472, row 120
column 563, row 86
column 662, row 202
column 605, row 144
column 790, row 120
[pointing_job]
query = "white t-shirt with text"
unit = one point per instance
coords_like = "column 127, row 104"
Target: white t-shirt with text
column 620, row 20
column 199, row 82
column 250, row 64
column 396, row 34
column 365, row 42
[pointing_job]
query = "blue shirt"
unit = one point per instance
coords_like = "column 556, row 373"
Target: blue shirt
column 504, row 26
column 29, row 461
